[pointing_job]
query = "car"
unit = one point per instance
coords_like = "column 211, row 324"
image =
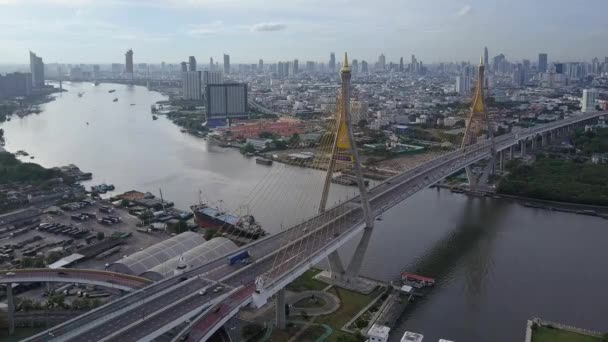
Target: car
column 182, row 279
column 218, row 289
column 61, row 273
column 202, row 292
column 336, row 234
column 217, row 309
column 10, row 274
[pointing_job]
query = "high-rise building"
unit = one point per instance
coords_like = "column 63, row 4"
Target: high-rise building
column 355, row 66
column 463, row 82
column 364, row 67
column 296, row 67
column 414, row 65
column 184, row 66
column 401, row 67
column 211, row 66
column 213, row 77
column 261, row 65
column 486, row 56
column 191, row 85
column 129, row 62
column 332, row 62
column 542, row 62
column 96, row 71
column 15, row 84
column 192, row 63
column 37, row 70
column 382, row 62
column 225, row 102
column 588, row 100
column 518, row 76
column 310, row 66
column 226, row 64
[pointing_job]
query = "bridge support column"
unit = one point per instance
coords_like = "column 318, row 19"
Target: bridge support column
column 544, row 139
column 522, row 145
column 11, row 308
column 336, row 268
column 281, row 318
column 511, row 152
column 501, row 160
column 355, row 264
column 534, row 139
column 470, row 177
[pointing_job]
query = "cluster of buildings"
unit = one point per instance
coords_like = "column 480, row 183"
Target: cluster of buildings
column 20, row 84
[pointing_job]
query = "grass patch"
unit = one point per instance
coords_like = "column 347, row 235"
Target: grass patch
column 307, row 303
column 284, row 335
column 306, row 282
column 350, row 304
column 545, row 334
column 312, row 333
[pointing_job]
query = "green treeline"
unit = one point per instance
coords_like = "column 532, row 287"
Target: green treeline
column 13, row 170
column 558, row 180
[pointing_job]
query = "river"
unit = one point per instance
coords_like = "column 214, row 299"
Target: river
column 497, row 263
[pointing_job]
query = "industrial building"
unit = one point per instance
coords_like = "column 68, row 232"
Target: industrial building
column 155, row 255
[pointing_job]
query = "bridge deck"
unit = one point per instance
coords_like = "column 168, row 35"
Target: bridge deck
column 135, row 318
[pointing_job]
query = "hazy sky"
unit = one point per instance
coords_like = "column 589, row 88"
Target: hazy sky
column 100, row 31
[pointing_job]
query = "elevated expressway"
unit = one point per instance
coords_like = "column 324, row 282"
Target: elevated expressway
column 113, row 280
column 160, row 307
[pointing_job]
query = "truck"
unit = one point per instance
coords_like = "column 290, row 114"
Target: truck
column 240, row 256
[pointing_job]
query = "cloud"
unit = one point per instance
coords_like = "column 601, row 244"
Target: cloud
column 466, row 9
column 268, row 27
column 202, row 29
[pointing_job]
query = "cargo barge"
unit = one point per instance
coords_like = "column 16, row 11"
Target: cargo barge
column 243, row 226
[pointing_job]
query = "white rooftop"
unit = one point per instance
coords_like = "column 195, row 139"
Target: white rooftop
column 411, row 337
column 378, row 330
column 66, row 261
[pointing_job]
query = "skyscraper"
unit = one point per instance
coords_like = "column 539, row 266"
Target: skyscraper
column 129, row 62
column 192, row 63
column 296, row 67
column 191, row 85
column 226, row 64
column 355, row 66
column 401, row 68
column 588, row 100
column 37, row 70
column 364, row 68
column 542, row 62
column 211, row 66
column 486, row 56
column 332, row 62
column 414, row 65
column 261, row 65
column 15, row 84
column 184, row 66
column 382, row 62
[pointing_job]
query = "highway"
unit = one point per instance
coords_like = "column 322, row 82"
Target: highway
column 152, row 311
column 95, row 277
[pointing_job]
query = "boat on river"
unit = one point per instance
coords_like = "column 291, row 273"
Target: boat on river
column 208, row 217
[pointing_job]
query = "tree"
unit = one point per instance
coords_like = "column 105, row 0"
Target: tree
column 294, row 141
column 266, row 135
column 210, row 234
column 248, row 148
column 52, row 257
column 124, row 203
column 1, row 136
column 100, row 236
column 29, row 262
column 251, row 330
column 362, row 123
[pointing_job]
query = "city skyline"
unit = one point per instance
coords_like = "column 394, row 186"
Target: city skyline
column 86, row 31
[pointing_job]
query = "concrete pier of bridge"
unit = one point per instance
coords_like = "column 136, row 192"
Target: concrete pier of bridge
column 10, row 302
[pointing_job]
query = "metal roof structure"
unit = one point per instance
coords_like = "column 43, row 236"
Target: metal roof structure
column 157, row 254
column 210, row 250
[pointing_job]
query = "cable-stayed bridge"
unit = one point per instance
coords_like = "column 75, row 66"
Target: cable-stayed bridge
column 176, row 302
